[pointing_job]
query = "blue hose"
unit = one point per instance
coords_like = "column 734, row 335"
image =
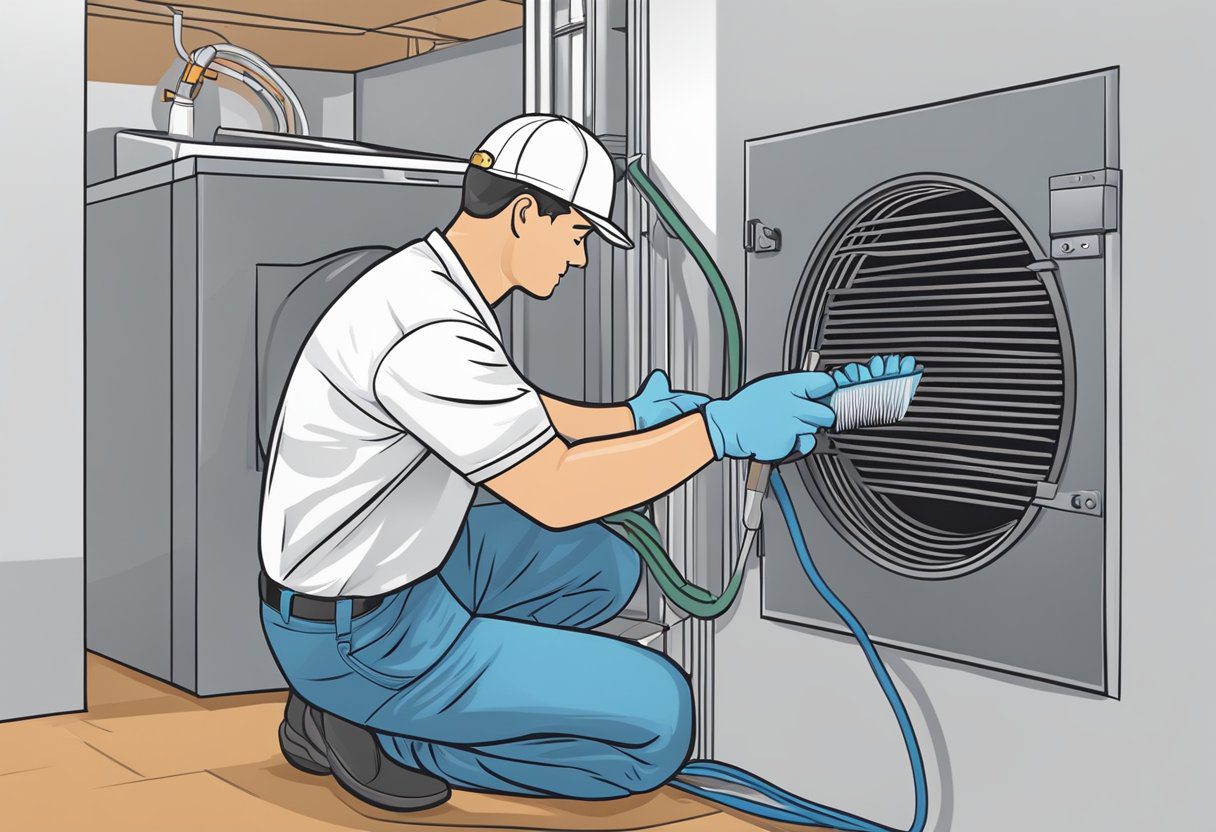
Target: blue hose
column 790, row 808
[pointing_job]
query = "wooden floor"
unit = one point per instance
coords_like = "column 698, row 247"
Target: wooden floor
column 146, row 756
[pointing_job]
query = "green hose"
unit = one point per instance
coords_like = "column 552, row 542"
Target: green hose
column 634, row 527
column 726, row 305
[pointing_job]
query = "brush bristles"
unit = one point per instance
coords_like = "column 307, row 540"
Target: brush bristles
column 872, row 403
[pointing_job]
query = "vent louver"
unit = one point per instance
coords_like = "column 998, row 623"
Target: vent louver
column 936, row 269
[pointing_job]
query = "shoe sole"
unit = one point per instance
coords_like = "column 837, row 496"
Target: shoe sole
column 392, row 802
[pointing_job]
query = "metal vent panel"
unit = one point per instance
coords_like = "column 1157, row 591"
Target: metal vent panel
column 961, row 468
column 911, row 212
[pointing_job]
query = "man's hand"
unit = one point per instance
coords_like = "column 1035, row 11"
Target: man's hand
column 656, row 403
column 771, row 417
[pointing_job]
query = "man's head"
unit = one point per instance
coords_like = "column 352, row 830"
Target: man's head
column 541, row 184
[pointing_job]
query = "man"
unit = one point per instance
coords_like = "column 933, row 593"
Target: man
column 429, row 641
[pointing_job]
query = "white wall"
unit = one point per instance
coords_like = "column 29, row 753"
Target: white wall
column 799, row 707
column 41, row 363
column 684, row 56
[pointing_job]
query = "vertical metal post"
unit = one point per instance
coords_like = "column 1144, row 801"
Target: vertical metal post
column 538, row 98
column 538, row 56
column 637, row 268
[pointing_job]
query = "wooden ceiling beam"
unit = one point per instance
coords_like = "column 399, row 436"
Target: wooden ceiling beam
column 208, row 15
column 294, row 41
column 365, row 15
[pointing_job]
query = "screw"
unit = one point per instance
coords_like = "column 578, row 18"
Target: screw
column 1065, row 247
column 1090, row 504
column 1084, row 245
column 1076, row 500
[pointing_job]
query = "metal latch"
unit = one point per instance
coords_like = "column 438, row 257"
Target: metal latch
column 1048, row 495
column 1070, row 248
column 1084, row 206
column 759, row 237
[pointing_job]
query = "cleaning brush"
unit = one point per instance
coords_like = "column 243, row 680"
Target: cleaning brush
column 859, row 401
column 866, row 401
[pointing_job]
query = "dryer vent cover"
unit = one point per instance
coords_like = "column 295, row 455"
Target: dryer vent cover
column 935, row 267
column 981, row 235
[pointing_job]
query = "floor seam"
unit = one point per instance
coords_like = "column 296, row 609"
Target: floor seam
column 113, row 759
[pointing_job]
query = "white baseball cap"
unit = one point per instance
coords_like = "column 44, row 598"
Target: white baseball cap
column 561, row 158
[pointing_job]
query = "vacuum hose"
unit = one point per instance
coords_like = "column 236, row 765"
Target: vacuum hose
column 634, row 526
column 637, row 529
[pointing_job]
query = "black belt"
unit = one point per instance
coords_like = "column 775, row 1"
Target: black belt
column 311, row 607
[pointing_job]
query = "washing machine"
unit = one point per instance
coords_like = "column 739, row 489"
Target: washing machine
column 982, row 236
column 205, row 276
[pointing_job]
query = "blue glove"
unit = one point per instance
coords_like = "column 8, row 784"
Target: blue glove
column 880, row 366
column 657, row 403
column 771, row 417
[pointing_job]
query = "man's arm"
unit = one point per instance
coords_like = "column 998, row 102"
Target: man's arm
column 583, row 421
column 654, row 404
column 564, row 485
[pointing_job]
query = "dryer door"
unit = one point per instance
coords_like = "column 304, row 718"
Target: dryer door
column 980, row 527
column 290, row 301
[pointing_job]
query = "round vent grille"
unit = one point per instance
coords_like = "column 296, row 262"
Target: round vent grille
column 938, row 268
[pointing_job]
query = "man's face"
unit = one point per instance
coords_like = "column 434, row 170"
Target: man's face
column 547, row 247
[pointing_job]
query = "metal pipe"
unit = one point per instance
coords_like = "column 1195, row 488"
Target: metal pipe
column 181, row 111
column 257, row 63
column 267, row 97
column 181, row 114
column 177, row 35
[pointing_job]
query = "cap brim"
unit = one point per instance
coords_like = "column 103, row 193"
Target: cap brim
column 607, row 230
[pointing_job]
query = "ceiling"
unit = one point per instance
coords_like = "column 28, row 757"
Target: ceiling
column 130, row 41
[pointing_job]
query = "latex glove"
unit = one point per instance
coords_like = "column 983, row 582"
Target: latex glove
column 880, row 366
column 657, row 403
column 771, row 417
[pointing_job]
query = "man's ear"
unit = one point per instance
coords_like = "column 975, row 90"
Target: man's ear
column 520, row 212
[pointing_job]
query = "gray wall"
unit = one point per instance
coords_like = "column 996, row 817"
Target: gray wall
column 445, row 101
column 41, row 372
column 328, row 99
column 799, row 707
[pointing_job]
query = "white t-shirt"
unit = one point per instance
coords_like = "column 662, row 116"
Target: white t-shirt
column 402, row 400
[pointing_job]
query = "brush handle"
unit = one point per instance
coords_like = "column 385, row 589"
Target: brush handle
column 756, row 483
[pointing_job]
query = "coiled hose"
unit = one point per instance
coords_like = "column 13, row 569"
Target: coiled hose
column 637, row 529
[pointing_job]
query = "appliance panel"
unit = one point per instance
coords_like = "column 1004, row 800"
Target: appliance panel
column 1037, row 607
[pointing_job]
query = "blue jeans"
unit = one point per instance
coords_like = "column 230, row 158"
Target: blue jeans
column 483, row 673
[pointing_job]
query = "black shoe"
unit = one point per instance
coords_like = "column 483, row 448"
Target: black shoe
column 305, row 752
column 321, row 743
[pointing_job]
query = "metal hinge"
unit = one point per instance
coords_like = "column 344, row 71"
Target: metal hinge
column 1084, row 206
column 759, row 237
column 1048, row 495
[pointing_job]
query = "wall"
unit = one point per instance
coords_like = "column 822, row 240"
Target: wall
column 413, row 104
column 409, row 103
column 328, row 99
column 42, row 373
column 799, row 707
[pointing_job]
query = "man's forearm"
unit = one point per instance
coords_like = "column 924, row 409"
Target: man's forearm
column 563, row 485
column 583, row 421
